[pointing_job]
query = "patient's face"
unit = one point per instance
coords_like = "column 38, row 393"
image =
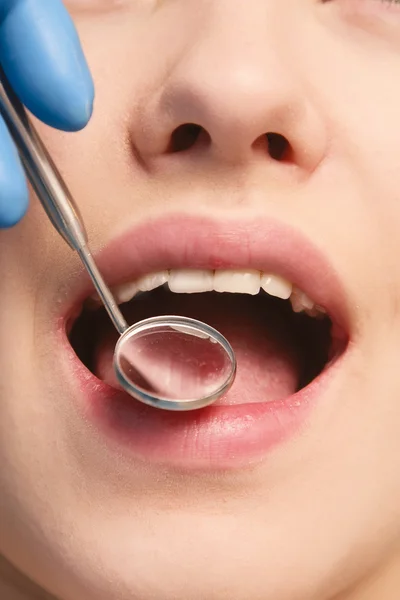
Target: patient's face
column 246, row 152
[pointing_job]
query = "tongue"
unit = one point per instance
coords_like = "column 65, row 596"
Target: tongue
column 268, row 361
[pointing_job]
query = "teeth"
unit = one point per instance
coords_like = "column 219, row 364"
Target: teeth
column 190, row 281
column 317, row 312
column 301, row 302
column 237, row 282
column 276, row 286
column 151, row 282
column 125, row 292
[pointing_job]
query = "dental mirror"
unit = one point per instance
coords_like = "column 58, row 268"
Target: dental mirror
column 170, row 362
column 174, row 363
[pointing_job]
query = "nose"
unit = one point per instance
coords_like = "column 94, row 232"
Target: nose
column 233, row 94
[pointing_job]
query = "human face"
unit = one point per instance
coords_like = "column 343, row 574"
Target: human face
column 296, row 499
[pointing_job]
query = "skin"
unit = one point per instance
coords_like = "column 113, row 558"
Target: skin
column 319, row 519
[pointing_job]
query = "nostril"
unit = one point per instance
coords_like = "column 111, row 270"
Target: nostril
column 185, row 137
column 278, row 147
column 188, row 135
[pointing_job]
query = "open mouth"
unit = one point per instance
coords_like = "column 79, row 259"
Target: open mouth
column 264, row 286
column 283, row 340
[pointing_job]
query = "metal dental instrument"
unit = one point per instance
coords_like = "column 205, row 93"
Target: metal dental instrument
column 170, row 362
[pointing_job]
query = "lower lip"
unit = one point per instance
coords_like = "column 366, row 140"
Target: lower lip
column 218, row 437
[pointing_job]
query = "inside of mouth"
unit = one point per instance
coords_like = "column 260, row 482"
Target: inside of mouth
column 278, row 351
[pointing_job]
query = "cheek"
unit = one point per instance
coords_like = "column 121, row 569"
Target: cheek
column 361, row 103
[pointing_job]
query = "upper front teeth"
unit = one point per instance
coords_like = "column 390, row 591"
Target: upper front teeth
column 190, row 281
column 276, row 286
column 152, row 281
column 237, row 282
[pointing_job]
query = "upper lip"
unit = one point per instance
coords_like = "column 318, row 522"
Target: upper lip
column 182, row 241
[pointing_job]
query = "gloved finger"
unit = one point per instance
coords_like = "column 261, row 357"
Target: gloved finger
column 13, row 189
column 42, row 57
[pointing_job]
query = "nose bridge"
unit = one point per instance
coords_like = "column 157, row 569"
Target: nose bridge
column 238, row 80
column 233, row 75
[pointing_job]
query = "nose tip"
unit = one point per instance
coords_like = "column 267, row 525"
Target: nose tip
column 233, row 106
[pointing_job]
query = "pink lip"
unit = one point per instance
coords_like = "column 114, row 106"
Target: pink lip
column 227, row 436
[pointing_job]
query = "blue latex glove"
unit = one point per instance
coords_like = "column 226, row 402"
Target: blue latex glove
column 41, row 55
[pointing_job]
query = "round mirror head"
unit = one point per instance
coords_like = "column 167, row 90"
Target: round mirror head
column 174, row 363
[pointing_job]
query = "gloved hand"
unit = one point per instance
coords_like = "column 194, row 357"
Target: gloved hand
column 41, row 56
